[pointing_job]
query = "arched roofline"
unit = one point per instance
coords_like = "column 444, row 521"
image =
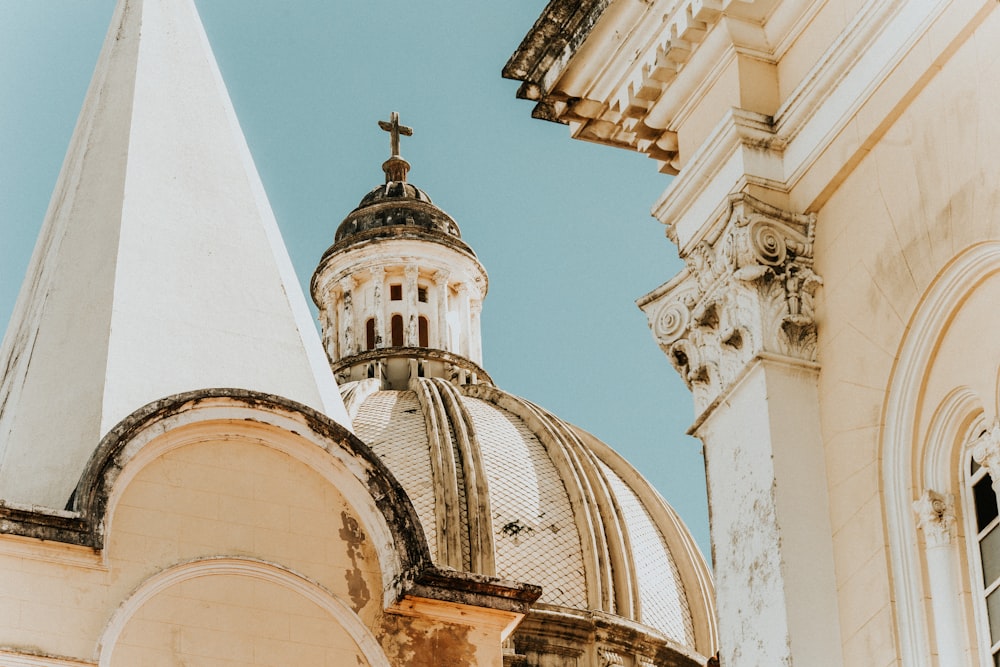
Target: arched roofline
column 123, row 443
column 405, row 562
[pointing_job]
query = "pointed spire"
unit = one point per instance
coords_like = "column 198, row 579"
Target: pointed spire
column 160, row 268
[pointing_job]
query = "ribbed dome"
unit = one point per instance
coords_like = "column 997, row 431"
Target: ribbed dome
column 504, row 488
column 393, row 207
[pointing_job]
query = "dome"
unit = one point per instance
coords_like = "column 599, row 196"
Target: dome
column 504, row 488
column 393, row 209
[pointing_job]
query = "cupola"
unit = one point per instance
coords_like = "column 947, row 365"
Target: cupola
column 399, row 292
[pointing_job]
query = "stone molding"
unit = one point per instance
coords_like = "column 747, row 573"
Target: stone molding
column 747, row 290
column 936, row 517
column 986, row 452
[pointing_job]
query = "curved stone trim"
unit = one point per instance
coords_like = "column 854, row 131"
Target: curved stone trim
column 477, row 492
column 900, row 448
column 610, row 584
column 447, row 510
column 417, row 354
column 253, row 569
column 549, row 633
column 695, row 575
column 398, row 232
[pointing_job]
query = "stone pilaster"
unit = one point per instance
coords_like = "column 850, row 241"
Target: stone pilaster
column 348, row 325
column 737, row 324
column 464, row 328
column 441, row 285
column 475, row 332
column 410, row 300
column 378, row 304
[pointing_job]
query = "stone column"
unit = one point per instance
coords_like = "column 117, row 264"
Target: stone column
column 347, row 324
column 328, row 324
column 737, row 324
column 936, row 517
column 378, row 306
column 441, row 287
column 475, row 332
column 463, row 320
column 410, row 337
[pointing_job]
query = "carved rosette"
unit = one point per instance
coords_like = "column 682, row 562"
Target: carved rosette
column 747, row 289
column 936, row 517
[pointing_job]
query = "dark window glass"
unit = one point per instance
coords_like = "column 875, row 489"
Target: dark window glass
column 993, row 611
column 395, row 292
column 986, row 502
column 422, row 294
column 397, row 330
column 370, row 334
column 989, row 548
column 423, row 332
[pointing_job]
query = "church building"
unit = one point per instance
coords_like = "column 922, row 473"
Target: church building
column 835, row 202
column 191, row 474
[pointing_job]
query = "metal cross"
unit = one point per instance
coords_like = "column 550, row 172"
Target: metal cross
column 394, row 129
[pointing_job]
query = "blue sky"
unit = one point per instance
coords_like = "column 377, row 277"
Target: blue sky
column 562, row 227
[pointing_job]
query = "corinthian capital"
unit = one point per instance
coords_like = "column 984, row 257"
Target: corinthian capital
column 747, row 289
column 936, row 516
column 986, row 452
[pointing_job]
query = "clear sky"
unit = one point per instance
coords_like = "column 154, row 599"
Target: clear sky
column 562, row 227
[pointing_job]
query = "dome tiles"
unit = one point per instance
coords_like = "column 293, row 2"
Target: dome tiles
column 501, row 487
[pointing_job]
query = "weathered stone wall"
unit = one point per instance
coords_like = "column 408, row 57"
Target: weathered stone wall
column 926, row 190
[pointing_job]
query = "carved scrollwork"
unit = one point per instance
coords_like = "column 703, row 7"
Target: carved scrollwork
column 748, row 288
column 936, row 516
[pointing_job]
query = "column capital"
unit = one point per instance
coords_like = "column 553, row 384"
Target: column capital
column 441, row 277
column 747, row 290
column 936, row 517
column 411, row 271
column 986, row 452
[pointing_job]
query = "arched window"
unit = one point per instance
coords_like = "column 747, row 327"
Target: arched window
column 423, row 332
column 397, row 330
column 370, row 334
column 985, row 543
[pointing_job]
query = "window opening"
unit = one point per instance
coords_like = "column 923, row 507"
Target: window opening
column 422, row 294
column 987, row 549
column 397, row 330
column 423, row 332
column 370, row 334
column 395, row 292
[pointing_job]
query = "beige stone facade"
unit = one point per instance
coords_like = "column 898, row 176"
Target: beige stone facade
column 835, row 204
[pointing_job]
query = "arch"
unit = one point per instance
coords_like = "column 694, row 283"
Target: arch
column 396, row 327
column 296, row 430
column 901, row 449
column 337, row 609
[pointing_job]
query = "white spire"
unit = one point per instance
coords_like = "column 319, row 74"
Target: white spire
column 159, row 268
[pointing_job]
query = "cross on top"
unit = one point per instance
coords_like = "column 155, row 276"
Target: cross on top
column 394, row 129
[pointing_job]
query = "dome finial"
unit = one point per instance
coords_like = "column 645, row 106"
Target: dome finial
column 395, row 167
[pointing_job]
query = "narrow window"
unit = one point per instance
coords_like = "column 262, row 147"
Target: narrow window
column 370, row 334
column 395, row 292
column 397, row 330
column 422, row 294
column 422, row 332
column 987, row 548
